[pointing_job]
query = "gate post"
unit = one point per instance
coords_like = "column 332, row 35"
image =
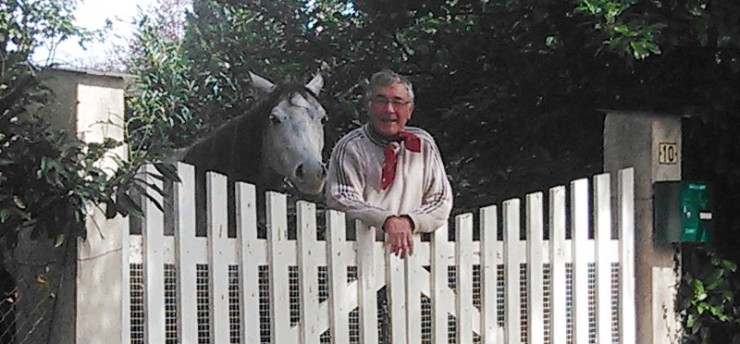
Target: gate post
column 95, row 308
column 641, row 140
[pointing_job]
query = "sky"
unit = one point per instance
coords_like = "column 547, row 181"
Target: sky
column 92, row 14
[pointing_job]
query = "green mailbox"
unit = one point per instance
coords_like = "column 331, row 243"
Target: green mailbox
column 682, row 212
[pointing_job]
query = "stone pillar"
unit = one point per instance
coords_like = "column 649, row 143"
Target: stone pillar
column 651, row 143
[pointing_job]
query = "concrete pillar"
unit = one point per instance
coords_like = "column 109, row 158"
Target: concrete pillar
column 102, row 279
column 651, row 143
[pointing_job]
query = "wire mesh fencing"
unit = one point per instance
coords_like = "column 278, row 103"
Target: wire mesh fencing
column 25, row 318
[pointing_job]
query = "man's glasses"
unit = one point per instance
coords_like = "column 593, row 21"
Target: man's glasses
column 395, row 102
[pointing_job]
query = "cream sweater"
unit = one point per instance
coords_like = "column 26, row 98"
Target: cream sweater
column 420, row 190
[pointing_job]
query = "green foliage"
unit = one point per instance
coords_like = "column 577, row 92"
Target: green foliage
column 49, row 180
column 27, row 24
column 709, row 304
column 630, row 36
column 160, row 114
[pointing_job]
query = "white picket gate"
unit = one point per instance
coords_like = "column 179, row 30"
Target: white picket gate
column 577, row 288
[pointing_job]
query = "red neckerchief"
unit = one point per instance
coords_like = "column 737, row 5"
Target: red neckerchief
column 412, row 143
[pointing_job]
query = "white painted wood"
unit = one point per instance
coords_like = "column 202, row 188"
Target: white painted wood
column 277, row 236
column 602, row 237
column 440, row 253
column 338, row 288
column 579, row 228
column 348, row 302
column 125, row 282
column 396, row 293
column 367, row 259
column 535, row 262
column 512, row 309
column 488, row 263
column 558, row 258
column 249, row 259
column 464, row 290
column 626, row 232
column 416, row 279
column 246, row 232
column 308, row 268
column 218, row 266
column 153, row 235
column 184, row 198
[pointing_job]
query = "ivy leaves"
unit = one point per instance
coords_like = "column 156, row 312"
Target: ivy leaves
column 709, row 306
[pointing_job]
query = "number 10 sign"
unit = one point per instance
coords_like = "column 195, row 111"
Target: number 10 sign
column 668, row 153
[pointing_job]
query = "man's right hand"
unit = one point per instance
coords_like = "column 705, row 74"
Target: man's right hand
column 398, row 235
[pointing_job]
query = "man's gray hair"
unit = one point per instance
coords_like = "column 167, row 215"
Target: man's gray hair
column 387, row 77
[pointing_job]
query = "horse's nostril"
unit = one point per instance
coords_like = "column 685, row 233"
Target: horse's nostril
column 299, row 171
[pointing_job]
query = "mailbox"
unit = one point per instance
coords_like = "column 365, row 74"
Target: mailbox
column 682, row 212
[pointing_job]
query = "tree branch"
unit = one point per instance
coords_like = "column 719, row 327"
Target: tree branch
column 9, row 99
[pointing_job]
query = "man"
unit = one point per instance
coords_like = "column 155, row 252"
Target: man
column 388, row 175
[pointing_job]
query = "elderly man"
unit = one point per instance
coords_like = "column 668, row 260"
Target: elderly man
column 386, row 174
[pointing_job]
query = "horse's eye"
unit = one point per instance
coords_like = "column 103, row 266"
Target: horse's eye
column 275, row 119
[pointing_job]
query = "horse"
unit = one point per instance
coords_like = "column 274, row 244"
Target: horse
column 279, row 141
column 276, row 145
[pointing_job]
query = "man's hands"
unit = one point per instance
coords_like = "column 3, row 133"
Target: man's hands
column 398, row 235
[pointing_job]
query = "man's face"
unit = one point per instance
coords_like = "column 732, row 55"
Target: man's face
column 390, row 109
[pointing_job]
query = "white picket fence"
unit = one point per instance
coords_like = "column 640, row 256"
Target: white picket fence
column 577, row 288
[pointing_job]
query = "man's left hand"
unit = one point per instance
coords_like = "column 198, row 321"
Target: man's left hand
column 398, row 235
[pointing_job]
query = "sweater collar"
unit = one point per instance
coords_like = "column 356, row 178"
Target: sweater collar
column 375, row 137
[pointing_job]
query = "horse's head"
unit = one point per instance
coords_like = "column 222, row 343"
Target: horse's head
column 293, row 135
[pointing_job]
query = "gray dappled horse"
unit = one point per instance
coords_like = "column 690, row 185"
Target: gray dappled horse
column 279, row 140
column 276, row 145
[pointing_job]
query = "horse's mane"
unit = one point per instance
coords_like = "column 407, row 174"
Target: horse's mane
column 235, row 147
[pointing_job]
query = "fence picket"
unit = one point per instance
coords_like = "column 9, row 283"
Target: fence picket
column 626, row 233
column 184, row 197
column 602, row 237
column 580, row 258
column 308, row 270
column 440, row 253
column 218, row 266
column 416, row 280
column 246, row 231
column 277, row 236
column 153, row 236
column 337, row 277
column 464, row 278
column 512, row 283
column 488, row 270
column 558, row 246
column 367, row 259
column 396, row 296
column 536, row 253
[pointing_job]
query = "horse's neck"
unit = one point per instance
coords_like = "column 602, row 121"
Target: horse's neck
column 269, row 179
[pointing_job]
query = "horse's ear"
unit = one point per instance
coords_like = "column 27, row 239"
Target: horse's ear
column 261, row 83
column 316, row 84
